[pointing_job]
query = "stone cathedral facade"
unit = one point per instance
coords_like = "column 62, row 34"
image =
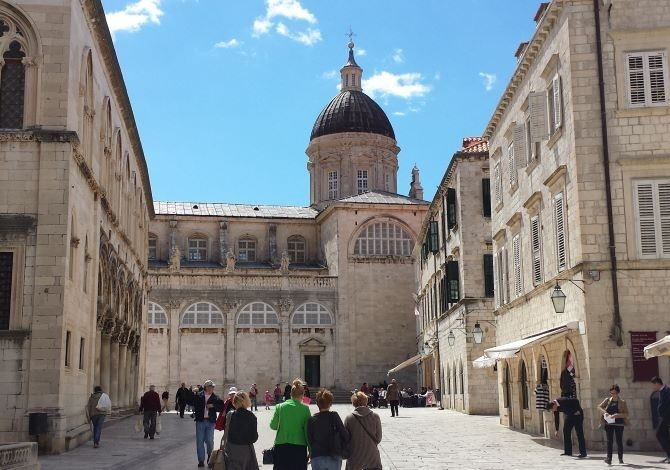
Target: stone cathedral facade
column 244, row 294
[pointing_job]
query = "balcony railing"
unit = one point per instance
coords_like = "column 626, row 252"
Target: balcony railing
column 22, row 455
column 244, row 282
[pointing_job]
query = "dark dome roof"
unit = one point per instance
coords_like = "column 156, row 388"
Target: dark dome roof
column 352, row 111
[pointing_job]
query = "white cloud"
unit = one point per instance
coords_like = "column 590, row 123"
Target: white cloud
column 307, row 37
column 288, row 10
column 361, row 52
column 398, row 56
column 134, row 16
column 398, row 113
column 404, row 85
column 227, row 44
column 489, row 80
column 437, row 76
column 329, row 75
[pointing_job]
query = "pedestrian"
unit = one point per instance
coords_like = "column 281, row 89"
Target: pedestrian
column 365, row 429
column 365, row 389
column 327, row 437
column 662, row 431
column 574, row 419
column 97, row 408
column 165, row 396
column 290, row 421
column 567, row 379
column 393, row 397
column 205, row 404
column 277, row 394
column 287, row 391
column 307, row 397
column 240, row 435
column 150, row 405
column 253, row 395
column 614, row 414
column 227, row 406
column 268, row 399
column 182, row 399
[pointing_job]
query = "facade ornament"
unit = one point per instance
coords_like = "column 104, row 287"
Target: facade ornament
column 230, row 304
column 175, row 259
column 230, row 262
column 117, row 331
column 285, row 261
column 223, row 243
column 171, row 304
column 284, row 304
column 28, row 62
column 272, row 232
column 108, row 326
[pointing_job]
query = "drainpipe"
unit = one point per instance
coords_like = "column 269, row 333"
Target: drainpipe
column 616, row 328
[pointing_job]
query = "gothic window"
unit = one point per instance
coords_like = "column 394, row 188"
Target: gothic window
column 197, row 249
column 297, row 249
column 87, row 111
column 258, row 314
column 246, row 250
column 156, row 315
column 362, row 181
column 6, row 265
column 202, row 314
column 153, row 246
column 525, row 396
column 12, row 87
column 312, row 314
column 383, row 239
column 87, row 258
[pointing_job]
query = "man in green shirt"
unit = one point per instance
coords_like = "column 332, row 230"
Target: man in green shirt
column 290, row 421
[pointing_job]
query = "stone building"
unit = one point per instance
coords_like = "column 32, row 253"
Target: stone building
column 455, row 291
column 75, row 204
column 262, row 294
column 564, row 192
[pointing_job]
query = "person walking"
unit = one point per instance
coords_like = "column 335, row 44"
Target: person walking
column 614, row 414
column 150, row 405
column 290, row 421
column 327, row 437
column 240, row 435
column 253, row 395
column 277, row 394
column 182, row 399
column 287, row 391
column 268, row 399
column 574, row 419
column 662, row 430
column 205, row 405
column 365, row 429
column 220, row 424
column 165, row 397
column 393, row 397
column 97, row 408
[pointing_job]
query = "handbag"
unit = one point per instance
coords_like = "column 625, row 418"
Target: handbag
column 159, row 427
column 217, row 460
column 338, row 446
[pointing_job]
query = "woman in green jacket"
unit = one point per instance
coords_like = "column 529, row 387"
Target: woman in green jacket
column 290, row 422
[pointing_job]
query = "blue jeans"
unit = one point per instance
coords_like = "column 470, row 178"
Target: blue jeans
column 204, row 436
column 326, row 462
column 97, row 421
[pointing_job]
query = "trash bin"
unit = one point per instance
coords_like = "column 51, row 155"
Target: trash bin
column 37, row 424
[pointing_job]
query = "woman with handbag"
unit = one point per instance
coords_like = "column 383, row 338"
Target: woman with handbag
column 240, row 435
column 365, row 429
column 326, row 435
column 614, row 414
column 290, row 421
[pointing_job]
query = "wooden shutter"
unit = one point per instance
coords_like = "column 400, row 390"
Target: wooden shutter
column 453, row 294
column 488, row 275
column 536, row 252
column 636, row 91
column 512, row 165
column 486, row 197
column 451, row 208
column 516, row 264
column 519, row 139
column 6, row 268
column 656, row 65
column 557, row 95
column 653, row 218
column 505, row 275
column 498, row 183
column 497, row 281
column 433, row 236
column 664, row 212
column 559, row 224
column 539, row 130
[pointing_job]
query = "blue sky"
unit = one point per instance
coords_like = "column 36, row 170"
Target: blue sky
column 225, row 92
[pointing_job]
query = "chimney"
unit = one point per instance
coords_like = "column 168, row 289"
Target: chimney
column 415, row 188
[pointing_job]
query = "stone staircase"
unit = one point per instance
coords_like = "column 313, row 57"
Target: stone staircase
column 341, row 397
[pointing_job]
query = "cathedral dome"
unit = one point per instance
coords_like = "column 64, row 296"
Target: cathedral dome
column 352, row 111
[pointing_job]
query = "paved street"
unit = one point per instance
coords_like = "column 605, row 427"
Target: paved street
column 419, row 439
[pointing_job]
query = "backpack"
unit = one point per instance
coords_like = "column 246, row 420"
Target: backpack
column 104, row 403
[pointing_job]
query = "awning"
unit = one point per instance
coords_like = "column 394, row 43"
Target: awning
column 409, row 362
column 483, row 362
column 510, row 350
column 659, row 348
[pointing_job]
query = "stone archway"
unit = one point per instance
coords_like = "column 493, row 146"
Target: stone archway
column 311, row 361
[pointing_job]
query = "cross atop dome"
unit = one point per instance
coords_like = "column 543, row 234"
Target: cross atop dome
column 351, row 73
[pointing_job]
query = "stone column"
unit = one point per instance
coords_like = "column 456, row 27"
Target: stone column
column 284, row 307
column 173, row 361
column 97, row 356
column 223, row 243
column 231, row 312
column 114, row 367
column 105, row 362
column 123, row 396
column 129, row 373
column 272, row 247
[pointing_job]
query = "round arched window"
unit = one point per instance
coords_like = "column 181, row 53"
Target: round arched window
column 202, row 314
column 156, row 314
column 312, row 314
column 383, row 239
column 258, row 314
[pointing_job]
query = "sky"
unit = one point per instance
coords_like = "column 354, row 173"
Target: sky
column 225, row 92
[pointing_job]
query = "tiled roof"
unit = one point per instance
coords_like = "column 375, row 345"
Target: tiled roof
column 233, row 210
column 474, row 145
column 382, row 197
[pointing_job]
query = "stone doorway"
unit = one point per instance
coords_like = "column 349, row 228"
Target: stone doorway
column 313, row 370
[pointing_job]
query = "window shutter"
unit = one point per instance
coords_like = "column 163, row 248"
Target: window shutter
column 558, row 93
column 443, row 217
column 498, row 182
column 453, row 294
column 433, row 236
column 636, row 92
column 512, row 165
column 559, row 224
column 516, row 264
column 497, row 281
column 486, row 197
column 488, row 275
column 646, row 219
column 451, row 208
column 520, row 146
column 664, row 210
column 505, row 274
column 538, row 116
column 657, row 79
column 535, row 241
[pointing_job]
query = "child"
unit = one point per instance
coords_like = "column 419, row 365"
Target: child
column 268, row 399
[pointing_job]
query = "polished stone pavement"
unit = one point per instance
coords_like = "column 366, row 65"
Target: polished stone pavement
column 421, row 438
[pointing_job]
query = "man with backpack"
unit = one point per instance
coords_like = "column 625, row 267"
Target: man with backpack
column 98, row 407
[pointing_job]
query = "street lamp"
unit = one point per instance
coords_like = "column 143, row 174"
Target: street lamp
column 477, row 333
column 558, row 299
column 451, row 338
